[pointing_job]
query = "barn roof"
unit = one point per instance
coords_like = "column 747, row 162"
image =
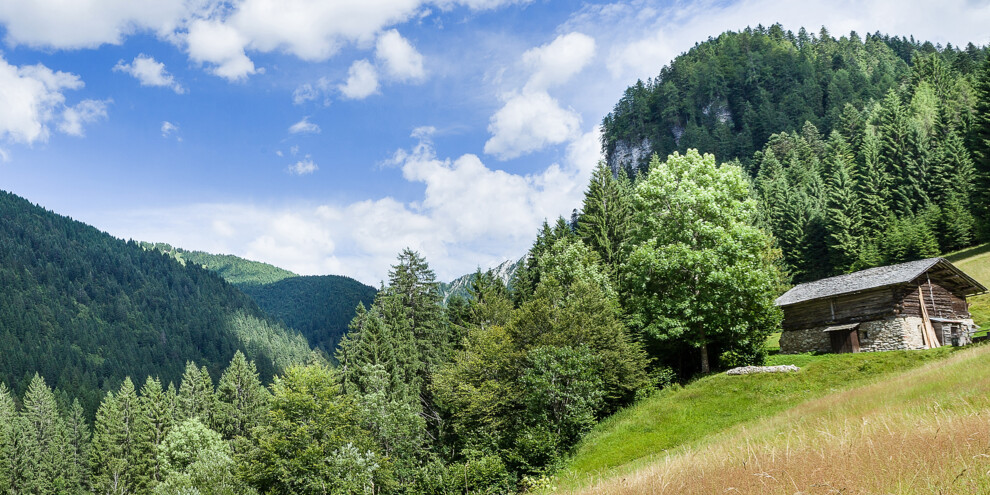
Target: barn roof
column 873, row 278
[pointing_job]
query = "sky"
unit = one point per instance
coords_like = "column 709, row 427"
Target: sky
column 326, row 136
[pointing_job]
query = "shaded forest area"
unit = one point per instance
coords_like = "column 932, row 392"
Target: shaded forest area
column 85, row 310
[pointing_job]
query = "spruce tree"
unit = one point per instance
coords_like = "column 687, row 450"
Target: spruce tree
column 196, row 398
column 158, row 414
column 873, row 189
column 843, row 220
column 899, row 155
column 605, row 216
column 9, row 435
column 78, row 448
column 45, row 441
column 980, row 144
column 120, row 453
column 241, row 398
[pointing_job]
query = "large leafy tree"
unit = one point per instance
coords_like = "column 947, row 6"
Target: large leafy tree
column 699, row 272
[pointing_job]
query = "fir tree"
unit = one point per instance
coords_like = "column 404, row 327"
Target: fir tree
column 605, row 216
column 10, row 444
column 154, row 405
column 980, row 144
column 120, row 453
column 78, row 438
column 196, row 398
column 843, row 219
column 45, row 441
column 873, row 189
column 899, row 155
column 242, row 400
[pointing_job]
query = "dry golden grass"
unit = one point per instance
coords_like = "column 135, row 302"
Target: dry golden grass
column 925, row 431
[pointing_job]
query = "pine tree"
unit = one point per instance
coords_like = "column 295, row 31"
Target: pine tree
column 873, row 189
column 9, row 434
column 159, row 420
column 980, row 144
column 78, row 436
column 843, row 220
column 196, row 398
column 605, row 216
column 45, row 447
column 899, row 155
column 242, row 399
column 119, row 453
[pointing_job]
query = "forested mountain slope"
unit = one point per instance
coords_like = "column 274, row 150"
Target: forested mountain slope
column 85, row 309
column 318, row 306
column 729, row 94
column 863, row 152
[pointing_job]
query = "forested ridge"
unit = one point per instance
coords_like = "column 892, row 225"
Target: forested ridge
column 318, row 306
column 863, row 151
column 85, row 310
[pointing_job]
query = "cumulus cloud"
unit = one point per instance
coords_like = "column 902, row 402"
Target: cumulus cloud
column 305, row 166
column 221, row 47
column 401, row 60
column 529, row 122
column 88, row 23
column 304, row 126
column 531, row 119
column 558, row 61
column 149, row 72
column 469, row 215
column 362, row 81
column 84, row 112
column 33, row 100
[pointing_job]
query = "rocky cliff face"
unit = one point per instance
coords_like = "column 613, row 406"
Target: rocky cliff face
column 459, row 286
column 629, row 154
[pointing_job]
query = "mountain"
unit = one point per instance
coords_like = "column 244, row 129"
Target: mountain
column 729, row 94
column 85, row 309
column 319, row 306
column 504, row 271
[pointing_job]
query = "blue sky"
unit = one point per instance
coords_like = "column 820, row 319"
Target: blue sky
column 324, row 136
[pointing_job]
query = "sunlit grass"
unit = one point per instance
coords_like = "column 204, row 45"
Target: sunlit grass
column 926, row 430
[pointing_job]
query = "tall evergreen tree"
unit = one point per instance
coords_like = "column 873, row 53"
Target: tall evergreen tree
column 119, row 453
column 604, row 223
column 10, row 445
column 45, row 442
column 242, row 400
column 78, row 438
column 843, row 216
column 158, row 414
column 196, row 398
column 899, row 155
column 980, row 144
column 873, row 188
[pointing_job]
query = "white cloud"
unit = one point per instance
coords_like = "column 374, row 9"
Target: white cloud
column 362, row 81
column 469, row 215
column 87, row 23
column 32, row 100
column 84, row 112
column 401, row 60
column 304, row 126
column 169, row 128
column 558, row 61
column 222, row 47
column 529, row 122
column 305, row 166
column 311, row 92
column 150, row 72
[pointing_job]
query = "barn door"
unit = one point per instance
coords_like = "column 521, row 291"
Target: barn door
column 844, row 341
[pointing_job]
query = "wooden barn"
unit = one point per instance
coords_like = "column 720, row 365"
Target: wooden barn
column 915, row 305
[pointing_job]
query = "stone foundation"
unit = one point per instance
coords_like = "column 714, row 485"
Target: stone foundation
column 879, row 335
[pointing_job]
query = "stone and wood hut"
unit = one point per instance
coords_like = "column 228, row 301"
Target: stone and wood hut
column 914, row 305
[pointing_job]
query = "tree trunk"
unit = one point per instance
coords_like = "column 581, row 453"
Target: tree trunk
column 704, row 359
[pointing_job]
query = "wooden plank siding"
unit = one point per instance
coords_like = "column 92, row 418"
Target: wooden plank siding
column 876, row 304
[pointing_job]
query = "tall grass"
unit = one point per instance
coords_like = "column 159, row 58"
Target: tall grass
column 686, row 416
column 926, row 430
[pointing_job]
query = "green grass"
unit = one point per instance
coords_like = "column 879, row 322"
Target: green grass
column 683, row 416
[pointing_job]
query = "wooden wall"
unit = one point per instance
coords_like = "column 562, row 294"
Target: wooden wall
column 901, row 300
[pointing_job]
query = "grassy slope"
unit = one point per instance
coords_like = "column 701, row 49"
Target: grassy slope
column 684, row 418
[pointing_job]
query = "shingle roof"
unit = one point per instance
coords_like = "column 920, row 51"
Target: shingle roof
column 871, row 278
